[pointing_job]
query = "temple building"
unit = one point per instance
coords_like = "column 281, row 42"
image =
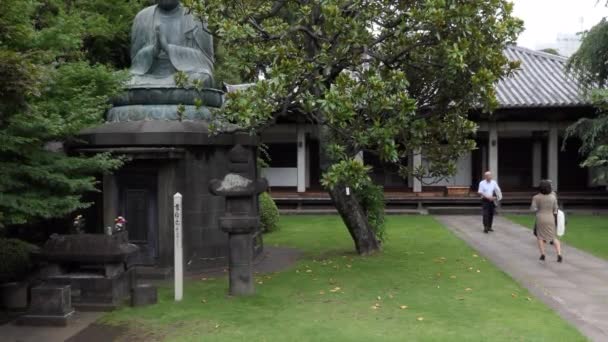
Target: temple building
column 520, row 142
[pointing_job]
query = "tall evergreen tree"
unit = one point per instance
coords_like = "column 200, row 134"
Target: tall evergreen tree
column 57, row 61
column 589, row 65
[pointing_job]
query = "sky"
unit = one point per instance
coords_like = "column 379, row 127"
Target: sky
column 545, row 19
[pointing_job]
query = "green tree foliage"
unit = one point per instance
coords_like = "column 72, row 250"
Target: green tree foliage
column 589, row 65
column 57, row 61
column 15, row 259
column 385, row 77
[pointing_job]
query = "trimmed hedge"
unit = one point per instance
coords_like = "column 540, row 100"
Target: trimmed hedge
column 15, row 260
column 269, row 213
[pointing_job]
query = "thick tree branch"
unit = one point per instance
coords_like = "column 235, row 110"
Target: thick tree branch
column 274, row 10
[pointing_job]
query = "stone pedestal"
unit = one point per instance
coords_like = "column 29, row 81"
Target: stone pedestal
column 13, row 296
column 168, row 157
column 144, row 294
column 50, row 305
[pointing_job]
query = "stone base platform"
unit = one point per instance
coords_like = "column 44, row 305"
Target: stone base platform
column 45, row 320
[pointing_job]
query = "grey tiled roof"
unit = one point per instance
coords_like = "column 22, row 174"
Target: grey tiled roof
column 541, row 81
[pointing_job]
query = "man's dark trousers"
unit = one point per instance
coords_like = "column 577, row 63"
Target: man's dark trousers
column 488, row 208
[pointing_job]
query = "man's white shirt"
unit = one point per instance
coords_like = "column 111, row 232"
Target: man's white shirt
column 489, row 189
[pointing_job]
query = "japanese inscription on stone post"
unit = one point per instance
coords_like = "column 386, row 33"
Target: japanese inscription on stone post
column 178, row 249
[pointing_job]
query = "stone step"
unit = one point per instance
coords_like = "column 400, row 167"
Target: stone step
column 447, row 210
column 476, row 210
column 314, row 211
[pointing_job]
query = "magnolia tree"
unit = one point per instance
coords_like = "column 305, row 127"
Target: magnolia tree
column 385, row 77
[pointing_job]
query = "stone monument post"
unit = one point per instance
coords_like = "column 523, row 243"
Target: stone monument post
column 240, row 188
column 178, row 248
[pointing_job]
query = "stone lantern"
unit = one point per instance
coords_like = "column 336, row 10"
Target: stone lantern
column 240, row 187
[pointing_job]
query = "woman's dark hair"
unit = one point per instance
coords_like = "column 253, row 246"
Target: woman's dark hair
column 545, row 187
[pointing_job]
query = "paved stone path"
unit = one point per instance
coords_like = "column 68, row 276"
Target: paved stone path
column 14, row 333
column 576, row 289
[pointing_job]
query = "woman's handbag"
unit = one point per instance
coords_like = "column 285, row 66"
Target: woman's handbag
column 561, row 223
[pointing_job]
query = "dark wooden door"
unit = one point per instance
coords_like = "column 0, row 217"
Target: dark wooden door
column 572, row 177
column 515, row 163
column 139, row 205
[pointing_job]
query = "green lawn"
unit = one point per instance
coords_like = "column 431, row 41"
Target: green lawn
column 427, row 285
column 587, row 232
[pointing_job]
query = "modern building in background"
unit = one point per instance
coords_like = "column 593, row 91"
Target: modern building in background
column 567, row 43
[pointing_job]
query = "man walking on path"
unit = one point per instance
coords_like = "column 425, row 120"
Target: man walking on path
column 490, row 193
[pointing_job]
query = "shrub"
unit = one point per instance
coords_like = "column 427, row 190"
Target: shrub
column 15, row 260
column 269, row 213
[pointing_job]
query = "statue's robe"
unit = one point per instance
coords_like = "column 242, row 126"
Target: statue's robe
column 190, row 48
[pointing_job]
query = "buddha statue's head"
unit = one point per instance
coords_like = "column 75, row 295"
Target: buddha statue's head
column 168, row 5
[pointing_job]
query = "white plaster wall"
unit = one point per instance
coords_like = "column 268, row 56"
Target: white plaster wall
column 461, row 178
column 281, row 176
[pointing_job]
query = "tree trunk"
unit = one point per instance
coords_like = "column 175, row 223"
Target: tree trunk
column 355, row 220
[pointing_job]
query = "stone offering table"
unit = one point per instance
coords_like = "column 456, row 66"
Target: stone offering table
column 93, row 265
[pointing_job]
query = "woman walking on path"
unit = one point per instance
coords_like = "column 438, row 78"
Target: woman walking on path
column 545, row 206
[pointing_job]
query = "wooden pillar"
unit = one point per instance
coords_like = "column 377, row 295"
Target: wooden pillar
column 416, row 163
column 553, row 155
column 537, row 160
column 493, row 150
column 484, row 159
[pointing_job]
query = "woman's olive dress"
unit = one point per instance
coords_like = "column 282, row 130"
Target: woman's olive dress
column 546, row 209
